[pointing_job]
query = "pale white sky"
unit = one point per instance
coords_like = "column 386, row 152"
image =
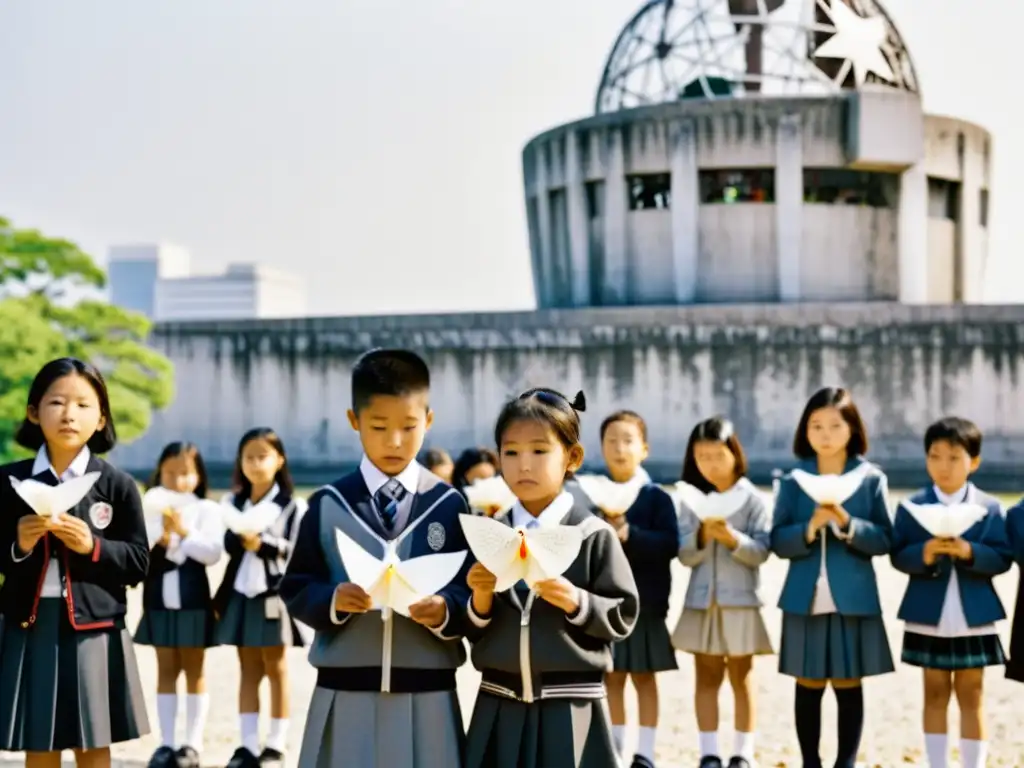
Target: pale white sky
column 372, row 146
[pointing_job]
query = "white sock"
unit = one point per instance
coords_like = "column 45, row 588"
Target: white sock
column 197, row 707
column 251, row 731
column 619, row 737
column 709, row 744
column 936, row 747
column 743, row 746
column 167, row 714
column 278, row 737
column 645, row 744
column 973, row 753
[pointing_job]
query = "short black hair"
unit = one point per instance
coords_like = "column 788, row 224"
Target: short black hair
column 283, row 478
column 468, row 459
column 842, row 401
column 717, row 429
column 630, row 417
column 173, row 451
column 30, row 435
column 435, row 457
column 956, row 431
column 547, row 406
column 389, row 372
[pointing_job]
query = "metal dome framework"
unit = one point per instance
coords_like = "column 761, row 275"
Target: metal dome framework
column 679, row 49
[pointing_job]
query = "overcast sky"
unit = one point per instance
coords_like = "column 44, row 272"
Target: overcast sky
column 369, row 139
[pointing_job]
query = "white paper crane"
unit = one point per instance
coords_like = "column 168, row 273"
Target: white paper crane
column 711, row 506
column 830, row 490
column 256, row 519
column 614, row 499
column 945, row 521
column 514, row 554
column 156, row 501
column 490, row 495
column 51, row 500
column 392, row 583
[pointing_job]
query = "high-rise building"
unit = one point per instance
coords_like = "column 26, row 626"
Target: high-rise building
column 133, row 272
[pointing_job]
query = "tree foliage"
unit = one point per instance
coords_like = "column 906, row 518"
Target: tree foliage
column 49, row 308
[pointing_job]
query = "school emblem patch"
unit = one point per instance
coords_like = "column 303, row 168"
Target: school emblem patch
column 100, row 514
column 435, row 536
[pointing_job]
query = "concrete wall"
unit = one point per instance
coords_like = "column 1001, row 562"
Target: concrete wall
column 905, row 365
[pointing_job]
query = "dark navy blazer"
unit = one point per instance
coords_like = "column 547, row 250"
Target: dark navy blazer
column 851, row 576
column 926, row 590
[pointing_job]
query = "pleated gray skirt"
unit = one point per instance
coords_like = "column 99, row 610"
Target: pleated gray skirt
column 382, row 730
column 647, row 649
column 254, row 622
column 834, row 647
column 175, row 629
column 567, row 733
column 64, row 689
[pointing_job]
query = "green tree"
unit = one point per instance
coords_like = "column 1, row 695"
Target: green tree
column 50, row 309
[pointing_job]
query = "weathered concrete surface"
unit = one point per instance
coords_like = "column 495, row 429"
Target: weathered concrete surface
column 676, row 365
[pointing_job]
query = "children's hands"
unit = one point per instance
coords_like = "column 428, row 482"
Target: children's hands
column 840, row 515
column 351, row 598
column 560, row 593
column 31, row 528
column 959, row 549
column 75, row 533
column 431, row 611
column 823, row 516
column 932, row 549
column 719, row 530
column 172, row 523
column 482, row 582
column 623, row 532
column 250, row 541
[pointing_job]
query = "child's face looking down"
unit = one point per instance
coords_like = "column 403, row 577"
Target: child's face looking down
column 716, row 463
column 392, row 429
column 178, row 473
column 534, row 463
column 68, row 413
column 827, row 432
column 949, row 465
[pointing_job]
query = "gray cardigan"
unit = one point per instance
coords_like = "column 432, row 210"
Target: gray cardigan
column 727, row 578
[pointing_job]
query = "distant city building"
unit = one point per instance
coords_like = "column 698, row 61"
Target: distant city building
column 156, row 280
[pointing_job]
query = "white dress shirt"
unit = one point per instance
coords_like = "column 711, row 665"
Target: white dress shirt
column 52, row 586
column 952, row 621
column 251, row 579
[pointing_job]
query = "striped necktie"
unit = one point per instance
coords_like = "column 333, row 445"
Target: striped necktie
column 387, row 499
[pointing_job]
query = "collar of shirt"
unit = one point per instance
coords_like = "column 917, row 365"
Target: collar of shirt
column 375, row 479
column 78, row 467
column 959, row 497
column 272, row 494
column 552, row 515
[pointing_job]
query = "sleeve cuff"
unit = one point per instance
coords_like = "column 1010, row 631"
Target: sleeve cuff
column 477, row 620
column 338, row 618
column 582, row 611
column 439, row 630
column 15, row 556
column 842, row 535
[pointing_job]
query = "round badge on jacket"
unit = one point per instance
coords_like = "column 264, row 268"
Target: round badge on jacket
column 100, row 515
column 436, row 536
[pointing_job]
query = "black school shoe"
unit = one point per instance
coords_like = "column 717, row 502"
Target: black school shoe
column 639, row 761
column 243, row 758
column 187, row 758
column 164, row 757
column 710, row 761
column 271, row 757
column 739, row 762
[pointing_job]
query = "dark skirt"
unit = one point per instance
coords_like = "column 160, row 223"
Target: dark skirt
column 175, row 629
column 952, row 653
column 568, row 733
column 648, row 648
column 834, row 647
column 256, row 622
column 1015, row 664
column 62, row 689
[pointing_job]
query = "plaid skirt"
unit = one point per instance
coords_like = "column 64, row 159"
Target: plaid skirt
column 952, row 653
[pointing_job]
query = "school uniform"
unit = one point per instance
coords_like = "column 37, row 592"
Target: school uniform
column 252, row 615
column 177, row 604
column 722, row 608
column 951, row 608
column 651, row 545
column 542, row 698
column 832, row 624
column 1015, row 538
column 385, row 692
column 68, row 674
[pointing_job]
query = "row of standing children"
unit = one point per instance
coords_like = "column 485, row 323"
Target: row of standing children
column 385, row 690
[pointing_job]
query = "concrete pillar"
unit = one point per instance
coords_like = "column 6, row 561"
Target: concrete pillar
column 579, row 236
column 685, row 210
column 616, row 209
column 971, row 244
column 913, row 235
column 789, row 205
column 546, row 289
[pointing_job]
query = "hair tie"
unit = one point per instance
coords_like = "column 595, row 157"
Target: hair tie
column 579, row 403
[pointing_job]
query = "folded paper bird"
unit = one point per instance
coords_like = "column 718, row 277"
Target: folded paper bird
column 394, row 584
column 490, row 495
column 157, row 502
column 945, row 521
column 830, row 490
column 712, row 506
column 518, row 554
column 255, row 519
column 614, row 499
column 52, row 500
